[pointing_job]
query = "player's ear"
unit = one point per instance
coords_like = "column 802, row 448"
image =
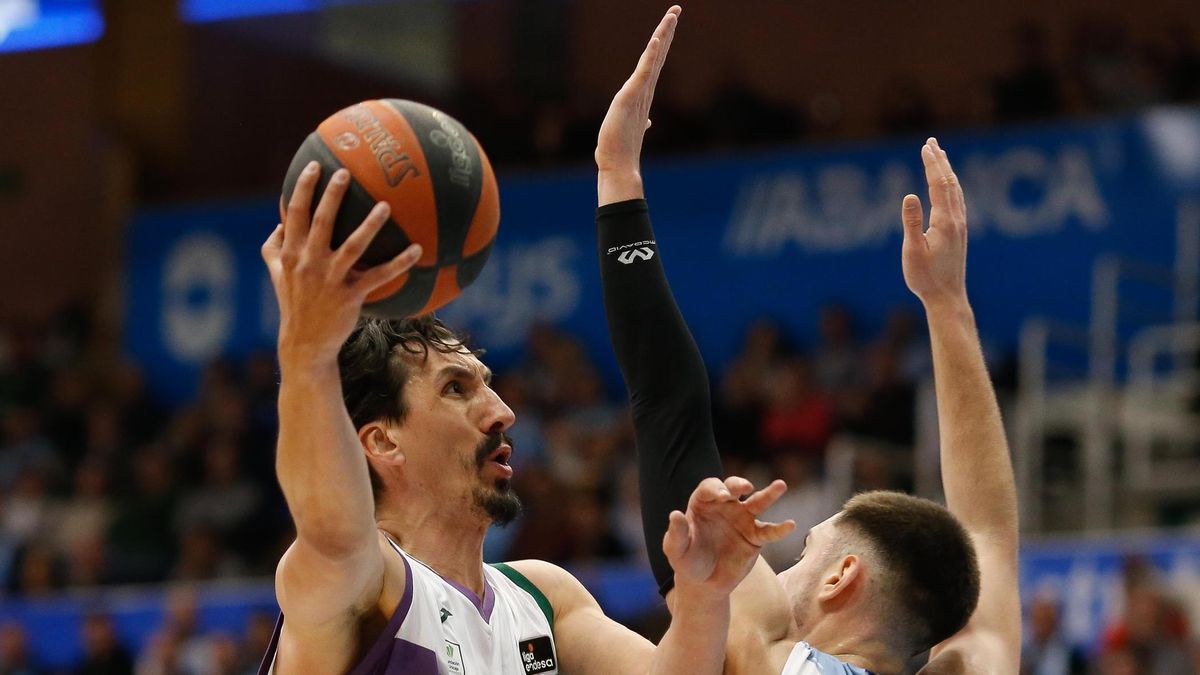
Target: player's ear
column 841, row 579
column 378, row 442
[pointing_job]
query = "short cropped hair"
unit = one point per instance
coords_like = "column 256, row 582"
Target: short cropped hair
column 374, row 365
column 932, row 571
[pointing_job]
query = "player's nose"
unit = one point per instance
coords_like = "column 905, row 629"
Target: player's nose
column 497, row 415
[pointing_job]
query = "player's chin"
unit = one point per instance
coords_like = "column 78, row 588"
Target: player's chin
column 499, row 502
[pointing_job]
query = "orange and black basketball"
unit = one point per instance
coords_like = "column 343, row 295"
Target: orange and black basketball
column 436, row 178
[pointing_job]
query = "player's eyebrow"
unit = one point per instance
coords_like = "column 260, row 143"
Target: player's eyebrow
column 455, row 370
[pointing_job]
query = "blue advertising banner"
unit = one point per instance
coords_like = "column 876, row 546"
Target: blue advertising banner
column 742, row 236
column 1084, row 577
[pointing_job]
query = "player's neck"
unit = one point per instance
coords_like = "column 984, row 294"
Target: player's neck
column 856, row 645
column 450, row 547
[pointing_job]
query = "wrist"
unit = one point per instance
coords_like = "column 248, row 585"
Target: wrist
column 618, row 185
column 956, row 308
column 699, row 596
column 310, row 360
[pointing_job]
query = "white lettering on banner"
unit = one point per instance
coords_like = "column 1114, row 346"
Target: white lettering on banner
column 520, row 285
column 198, row 299
column 843, row 207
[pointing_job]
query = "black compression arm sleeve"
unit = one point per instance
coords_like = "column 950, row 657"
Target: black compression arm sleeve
column 663, row 371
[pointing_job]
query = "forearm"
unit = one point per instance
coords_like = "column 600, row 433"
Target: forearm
column 320, row 463
column 663, row 370
column 695, row 641
column 977, row 472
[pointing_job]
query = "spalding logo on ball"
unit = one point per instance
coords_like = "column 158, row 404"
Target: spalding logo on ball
column 437, row 180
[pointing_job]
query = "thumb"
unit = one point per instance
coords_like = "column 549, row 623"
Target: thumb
column 675, row 541
column 913, row 216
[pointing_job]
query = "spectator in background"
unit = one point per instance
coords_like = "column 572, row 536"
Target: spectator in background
column 742, row 398
column 141, row 536
column 14, row 651
column 1032, row 89
column 883, row 410
column 1045, row 651
column 103, row 653
column 1153, row 630
column 837, row 360
column 88, row 508
column 225, row 502
column 799, row 417
column 23, row 445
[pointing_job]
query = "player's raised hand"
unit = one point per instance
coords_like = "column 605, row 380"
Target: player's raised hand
column 715, row 544
column 935, row 260
column 619, row 145
column 320, row 291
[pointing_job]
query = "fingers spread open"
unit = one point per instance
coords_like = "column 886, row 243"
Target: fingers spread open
column 739, row 487
column 323, row 218
column 762, row 500
column 295, row 226
column 710, row 490
column 770, row 532
column 358, row 241
column 382, row 274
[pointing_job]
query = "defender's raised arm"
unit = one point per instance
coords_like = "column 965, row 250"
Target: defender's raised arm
column 976, row 469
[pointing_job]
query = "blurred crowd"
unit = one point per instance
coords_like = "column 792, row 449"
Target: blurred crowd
column 1151, row 635
column 1096, row 68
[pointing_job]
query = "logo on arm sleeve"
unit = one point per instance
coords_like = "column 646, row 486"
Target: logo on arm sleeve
column 537, row 655
column 638, row 250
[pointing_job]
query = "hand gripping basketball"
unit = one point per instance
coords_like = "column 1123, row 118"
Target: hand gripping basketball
column 320, row 291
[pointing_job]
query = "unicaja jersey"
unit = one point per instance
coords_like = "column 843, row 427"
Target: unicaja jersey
column 807, row 660
column 441, row 628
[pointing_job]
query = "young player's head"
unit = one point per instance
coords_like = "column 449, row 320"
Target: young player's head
column 427, row 418
column 902, row 568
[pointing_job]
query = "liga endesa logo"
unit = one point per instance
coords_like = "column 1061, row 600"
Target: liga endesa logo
column 537, row 655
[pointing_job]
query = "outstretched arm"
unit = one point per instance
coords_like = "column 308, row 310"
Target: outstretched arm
column 976, row 469
column 335, row 567
column 663, row 370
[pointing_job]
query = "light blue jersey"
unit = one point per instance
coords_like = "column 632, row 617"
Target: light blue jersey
column 807, row 660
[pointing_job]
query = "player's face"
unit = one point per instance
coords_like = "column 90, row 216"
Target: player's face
column 802, row 581
column 453, row 436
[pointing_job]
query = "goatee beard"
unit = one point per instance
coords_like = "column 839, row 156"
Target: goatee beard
column 501, row 504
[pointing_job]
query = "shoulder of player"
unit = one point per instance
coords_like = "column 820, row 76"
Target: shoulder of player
column 973, row 652
column 564, row 592
column 751, row 650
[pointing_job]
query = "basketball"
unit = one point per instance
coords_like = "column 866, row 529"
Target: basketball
column 438, row 182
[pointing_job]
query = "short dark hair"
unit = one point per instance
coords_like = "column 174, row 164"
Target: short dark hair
column 374, row 364
column 934, row 574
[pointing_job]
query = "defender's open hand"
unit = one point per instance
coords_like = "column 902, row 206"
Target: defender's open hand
column 935, row 261
column 716, row 542
column 619, row 146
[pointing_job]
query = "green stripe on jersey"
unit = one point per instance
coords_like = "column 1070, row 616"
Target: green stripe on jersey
column 529, row 587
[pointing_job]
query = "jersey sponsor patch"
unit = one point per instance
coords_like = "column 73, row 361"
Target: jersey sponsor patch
column 537, row 655
column 454, row 659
